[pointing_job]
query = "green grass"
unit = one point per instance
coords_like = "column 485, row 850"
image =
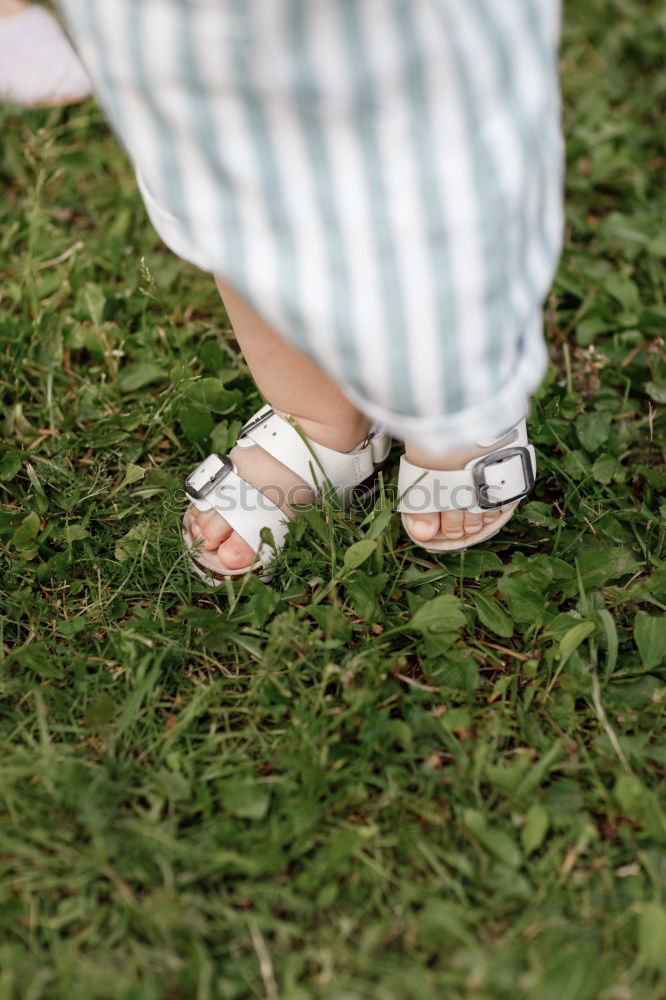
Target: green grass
column 406, row 779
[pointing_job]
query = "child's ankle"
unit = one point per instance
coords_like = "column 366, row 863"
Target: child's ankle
column 343, row 435
column 453, row 459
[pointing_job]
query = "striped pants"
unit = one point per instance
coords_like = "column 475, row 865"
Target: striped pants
column 380, row 180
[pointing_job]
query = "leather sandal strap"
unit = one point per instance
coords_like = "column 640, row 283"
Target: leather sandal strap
column 247, row 511
column 313, row 463
column 486, row 483
column 216, row 485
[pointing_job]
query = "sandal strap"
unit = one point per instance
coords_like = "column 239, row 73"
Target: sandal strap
column 245, row 508
column 486, row 483
column 216, row 485
column 313, row 463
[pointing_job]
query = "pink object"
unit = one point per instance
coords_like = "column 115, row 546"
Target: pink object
column 37, row 62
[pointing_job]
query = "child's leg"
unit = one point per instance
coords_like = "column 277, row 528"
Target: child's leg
column 400, row 202
column 294, row 385
column 291, row 382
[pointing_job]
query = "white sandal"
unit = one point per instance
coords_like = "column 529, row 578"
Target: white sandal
column 216, row 485
column 491, row 482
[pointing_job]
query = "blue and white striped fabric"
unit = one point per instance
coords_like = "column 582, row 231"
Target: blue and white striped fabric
column 379, row 179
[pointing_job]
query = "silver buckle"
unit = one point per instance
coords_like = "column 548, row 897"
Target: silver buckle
column 256, row 420
column 497, row 458
column 207, row 476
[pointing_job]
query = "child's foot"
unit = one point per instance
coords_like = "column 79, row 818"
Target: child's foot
column 37, row 63
column 223, row 548
column 453, row 525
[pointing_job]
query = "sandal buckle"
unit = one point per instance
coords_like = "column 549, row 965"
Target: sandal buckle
column 264, row 414
column 497, row 458
column 207, row 476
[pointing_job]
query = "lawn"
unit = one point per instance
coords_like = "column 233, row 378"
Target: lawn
column 381, row 776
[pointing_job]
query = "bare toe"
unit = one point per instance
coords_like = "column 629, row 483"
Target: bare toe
column 208, row 527
column 214, row 529
column 491, row 515
column 424, row 526
column 234, row 553
column 452, row 524
column 472, row 523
